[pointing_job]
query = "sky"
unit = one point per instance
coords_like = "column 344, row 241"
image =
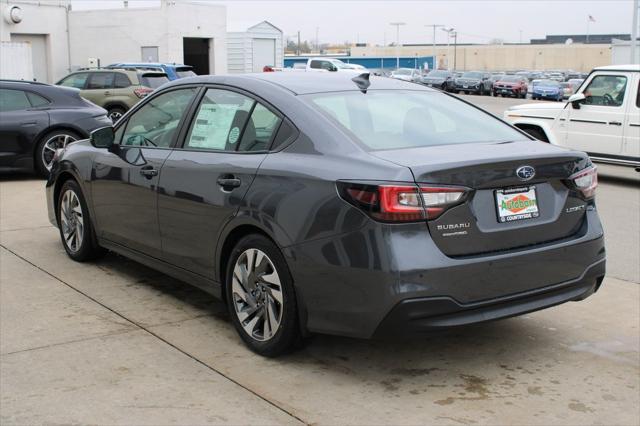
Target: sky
column 476, row 21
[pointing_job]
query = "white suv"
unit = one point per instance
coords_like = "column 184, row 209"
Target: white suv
column 601, row 118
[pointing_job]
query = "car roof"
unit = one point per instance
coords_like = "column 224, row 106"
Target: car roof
column 301, row 83
column 630, row 67
column 149, row 64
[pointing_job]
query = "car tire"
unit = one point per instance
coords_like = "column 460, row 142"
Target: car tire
column 47, row 146
column 74, row 223
column 263, row 311
column 115, row 113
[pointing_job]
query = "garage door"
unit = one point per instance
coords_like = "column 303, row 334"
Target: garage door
column 39, row 54
column 264, row 53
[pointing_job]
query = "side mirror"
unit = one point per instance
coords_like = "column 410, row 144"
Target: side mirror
column 103, row 137
column 577, row 99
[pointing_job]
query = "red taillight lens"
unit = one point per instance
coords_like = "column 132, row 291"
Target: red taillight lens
column 142, row 92
column 586, row 181
column 267, row 68
column 403, row 202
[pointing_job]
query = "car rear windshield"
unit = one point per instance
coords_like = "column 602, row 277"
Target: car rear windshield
column 185, row 72
column 394, row 119
column 511, row 79
column 442, row 74
column 477, row 75
column 548, row 83
column 153, row 80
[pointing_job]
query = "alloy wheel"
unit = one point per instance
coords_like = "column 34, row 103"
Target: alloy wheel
column 51, row 145
column 114, row 115
column 71, row 220
column 257, row 294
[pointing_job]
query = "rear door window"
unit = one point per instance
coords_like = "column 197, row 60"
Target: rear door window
column 77, row 80
column 13, row 100
column 100, row 80
column 259, row 130
column 220, row 121
column 121, row 81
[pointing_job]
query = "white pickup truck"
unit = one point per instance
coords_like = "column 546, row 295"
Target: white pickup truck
column 322, row 65
column 602, row 118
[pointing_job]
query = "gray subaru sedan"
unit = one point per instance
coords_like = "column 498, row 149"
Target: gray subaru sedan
column 328, row 203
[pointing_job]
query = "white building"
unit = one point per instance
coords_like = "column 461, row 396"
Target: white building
column 621, row 52
column 177, row 31
column 251, row 47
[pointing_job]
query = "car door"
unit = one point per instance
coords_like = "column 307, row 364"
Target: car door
column 596, row 125
column 99, row 88
column 631, row 144
column 203, row 182
column 20, row 123
column 125, row 178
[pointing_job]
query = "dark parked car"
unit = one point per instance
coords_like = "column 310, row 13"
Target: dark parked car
column 440, row 79
column 474, row 82
column 511, row 85
column 318, row 203
column 36, row 119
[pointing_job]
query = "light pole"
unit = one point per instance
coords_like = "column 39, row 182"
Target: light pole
column 448, row 31
column 455, row 44
column 397, row 25
column 435, row 61
column 634, row 33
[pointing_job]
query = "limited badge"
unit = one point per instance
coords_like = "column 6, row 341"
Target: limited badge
column 233, row 135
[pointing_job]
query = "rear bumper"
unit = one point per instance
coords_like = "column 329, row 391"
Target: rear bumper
column 420, row 315
column 381, row 277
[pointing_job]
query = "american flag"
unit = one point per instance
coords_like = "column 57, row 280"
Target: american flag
column 592, row 19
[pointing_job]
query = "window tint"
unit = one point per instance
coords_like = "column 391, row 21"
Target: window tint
column 121, row 81
column 100, row 80
column 259, row 130
column 316, row 65
column 37, row 100
column 13, row 100
column 638, row 96
column 606, row 90
column 220, row 120
column 403, row 119
column 75, row 80
column 156, row 123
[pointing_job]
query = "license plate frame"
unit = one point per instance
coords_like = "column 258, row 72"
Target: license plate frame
column 516, row 204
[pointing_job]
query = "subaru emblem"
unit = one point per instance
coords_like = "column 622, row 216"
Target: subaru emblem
column 525, row 172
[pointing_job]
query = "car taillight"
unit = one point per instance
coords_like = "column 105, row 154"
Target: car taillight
column 586, row 181
column 267, row 68
column 142, row 92
column 401, row 202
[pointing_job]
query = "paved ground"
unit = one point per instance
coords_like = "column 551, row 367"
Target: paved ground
column 114, row 342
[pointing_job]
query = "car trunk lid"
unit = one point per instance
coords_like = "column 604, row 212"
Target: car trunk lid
column 503, row 211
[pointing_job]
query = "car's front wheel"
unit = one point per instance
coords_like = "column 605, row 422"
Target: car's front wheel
column 75, row 226
column 261, row 298
column 47, row 148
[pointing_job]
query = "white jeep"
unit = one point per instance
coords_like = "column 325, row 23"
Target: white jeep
column 602, row 118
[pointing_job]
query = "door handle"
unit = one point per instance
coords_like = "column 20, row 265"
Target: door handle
column 615, row 123
column 149, row 172
column 107, row 92
column 29, row 123
column 229, row 183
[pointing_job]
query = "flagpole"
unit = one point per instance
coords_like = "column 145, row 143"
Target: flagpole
column 588, row 22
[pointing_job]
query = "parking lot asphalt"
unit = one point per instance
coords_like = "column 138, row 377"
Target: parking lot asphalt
column 113, row 342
